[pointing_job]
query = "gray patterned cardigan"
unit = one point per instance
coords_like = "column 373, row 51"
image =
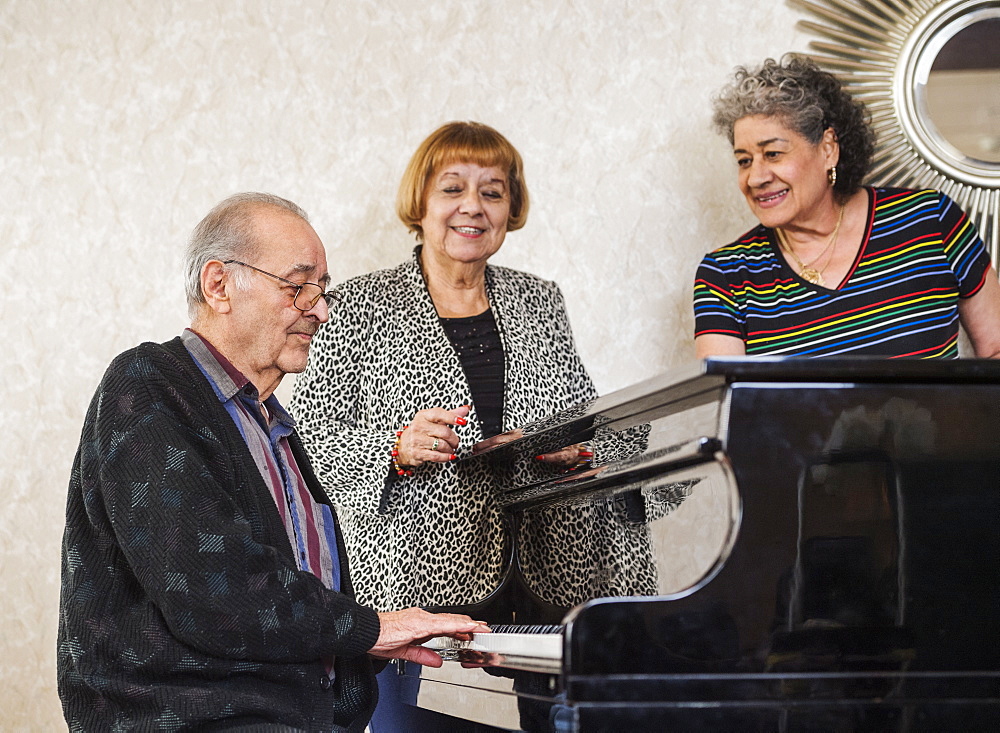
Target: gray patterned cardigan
column 434, row 538
column 181, row 603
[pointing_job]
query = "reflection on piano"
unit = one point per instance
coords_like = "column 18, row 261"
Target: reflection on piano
column 767, row 545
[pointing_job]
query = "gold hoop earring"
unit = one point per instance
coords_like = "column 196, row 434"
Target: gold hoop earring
column 831, row 176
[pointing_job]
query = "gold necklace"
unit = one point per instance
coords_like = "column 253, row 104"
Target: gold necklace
column 808, row 272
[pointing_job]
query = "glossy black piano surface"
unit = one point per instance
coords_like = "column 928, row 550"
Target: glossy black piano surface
column 766, row 545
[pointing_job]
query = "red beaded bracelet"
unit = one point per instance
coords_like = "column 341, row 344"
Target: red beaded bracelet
column 400, row 469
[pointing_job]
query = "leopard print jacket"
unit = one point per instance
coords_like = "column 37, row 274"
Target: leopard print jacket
column 435, row 538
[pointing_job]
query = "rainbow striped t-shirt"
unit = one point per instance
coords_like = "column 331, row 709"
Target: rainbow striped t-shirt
column 919, row 255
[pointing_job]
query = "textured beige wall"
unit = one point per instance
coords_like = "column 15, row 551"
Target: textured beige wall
column 123, row 122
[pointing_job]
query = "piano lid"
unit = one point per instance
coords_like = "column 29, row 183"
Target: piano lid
column 700, row 383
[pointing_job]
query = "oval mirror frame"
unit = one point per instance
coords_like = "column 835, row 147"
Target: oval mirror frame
column 882, row 51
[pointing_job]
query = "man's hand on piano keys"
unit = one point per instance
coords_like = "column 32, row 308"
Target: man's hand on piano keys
column 402, row 633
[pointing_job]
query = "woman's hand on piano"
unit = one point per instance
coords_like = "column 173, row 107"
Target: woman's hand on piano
column 402, row 633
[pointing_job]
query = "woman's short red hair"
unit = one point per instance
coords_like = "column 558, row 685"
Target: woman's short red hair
column 461, row 142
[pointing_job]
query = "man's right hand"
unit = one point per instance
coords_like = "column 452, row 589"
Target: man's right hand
column 402, row 633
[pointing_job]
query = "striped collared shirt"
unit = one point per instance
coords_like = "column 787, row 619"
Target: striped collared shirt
column 308, row 523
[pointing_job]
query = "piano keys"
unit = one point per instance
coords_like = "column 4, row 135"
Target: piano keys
column 768, row 544
column 530, row 648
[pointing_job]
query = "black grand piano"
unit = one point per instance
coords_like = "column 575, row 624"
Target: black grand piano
column 760, row 545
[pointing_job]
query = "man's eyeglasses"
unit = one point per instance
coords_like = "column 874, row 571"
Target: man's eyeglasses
column 306, row 294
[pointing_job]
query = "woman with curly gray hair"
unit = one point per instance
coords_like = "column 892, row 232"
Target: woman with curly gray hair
column 834, row 267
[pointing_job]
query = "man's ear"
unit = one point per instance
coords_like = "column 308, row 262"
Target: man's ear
column 215, row 286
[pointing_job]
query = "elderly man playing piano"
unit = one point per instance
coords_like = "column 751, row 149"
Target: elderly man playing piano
column 204, row 578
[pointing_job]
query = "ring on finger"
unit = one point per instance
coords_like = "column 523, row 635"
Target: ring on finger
column 437, row 442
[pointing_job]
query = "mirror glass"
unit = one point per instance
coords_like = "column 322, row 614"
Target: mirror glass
column 962, row 87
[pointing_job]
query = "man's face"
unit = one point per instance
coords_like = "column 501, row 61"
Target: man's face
column 271, row 336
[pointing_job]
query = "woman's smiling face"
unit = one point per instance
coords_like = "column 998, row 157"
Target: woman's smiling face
column 466, row 211
column 782, row 175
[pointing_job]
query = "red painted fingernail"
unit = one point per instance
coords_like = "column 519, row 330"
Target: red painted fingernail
column 539, row 458
column 460, row 421
column 452, row 457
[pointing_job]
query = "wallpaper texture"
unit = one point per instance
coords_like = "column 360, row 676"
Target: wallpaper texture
column 124, row 122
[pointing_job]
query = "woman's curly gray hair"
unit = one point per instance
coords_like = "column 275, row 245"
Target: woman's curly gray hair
column 807, row 100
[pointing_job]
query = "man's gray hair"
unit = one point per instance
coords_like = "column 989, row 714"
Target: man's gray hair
column 227, row 233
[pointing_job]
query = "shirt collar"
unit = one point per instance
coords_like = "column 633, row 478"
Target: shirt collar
column 228, row 381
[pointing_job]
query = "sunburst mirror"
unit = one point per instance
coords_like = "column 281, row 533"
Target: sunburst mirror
column 929, row 72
